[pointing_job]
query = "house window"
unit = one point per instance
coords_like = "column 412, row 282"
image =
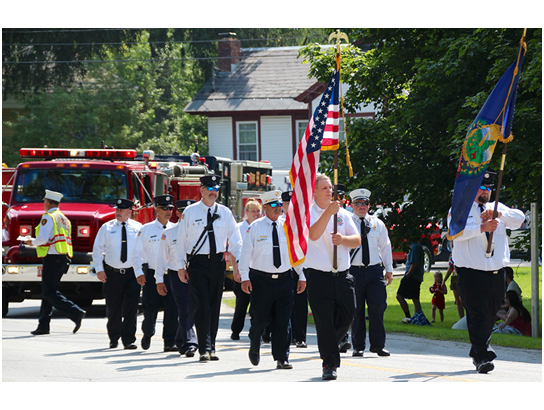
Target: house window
column 247, row 140
column 301, row 129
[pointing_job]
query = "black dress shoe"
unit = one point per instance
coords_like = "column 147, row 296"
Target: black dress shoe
column 358, row 353
column 205, row 357
column 380, row 352
column 190, row 352
column 213, row 357
column 131, row 346
column 146, row 342
column 344, row 346
column 302, row 344
column 265, row 338
column 484, row 367
column 39, row 332
column 329, row 373
column 254, row 356
column 235, row 336
column 78, row 321
column 171, row 349
column 283, row 365
column 113, row 345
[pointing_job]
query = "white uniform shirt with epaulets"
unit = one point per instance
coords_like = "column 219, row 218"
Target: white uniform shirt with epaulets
column 257, row 250
column 320, row 252
column 193, row 221
column 379, row 244
column 166, row 256
column 46, row 232
column 147, row 246
column 469, row 248
column 107, row 245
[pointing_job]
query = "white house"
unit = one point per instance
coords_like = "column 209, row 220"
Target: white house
column 259, row 103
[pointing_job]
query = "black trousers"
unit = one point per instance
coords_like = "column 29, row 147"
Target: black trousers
column 482, row 293
column 152, row 303
column 207, row 278
column 240, row 309
column 122, row 293
column 370, row 290
column 299, row 317
column 332, row 300
column 54, row 266
column 184, row 299
column 271, row 300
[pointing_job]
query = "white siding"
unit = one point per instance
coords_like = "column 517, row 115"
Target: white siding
column 276, row 141
column 220, row 136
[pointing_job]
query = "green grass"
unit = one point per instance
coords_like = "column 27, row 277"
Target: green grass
column 442, row 330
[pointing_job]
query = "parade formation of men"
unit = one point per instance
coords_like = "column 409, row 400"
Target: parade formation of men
column 181, row 268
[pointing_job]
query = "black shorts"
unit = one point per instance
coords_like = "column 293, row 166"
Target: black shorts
column 409, row 288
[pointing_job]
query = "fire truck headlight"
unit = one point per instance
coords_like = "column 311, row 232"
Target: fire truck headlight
column 82, row 270
column 25, row 230
column 12, row 269
column 84, row 231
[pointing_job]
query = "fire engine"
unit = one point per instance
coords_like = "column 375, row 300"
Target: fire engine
column 91, row 180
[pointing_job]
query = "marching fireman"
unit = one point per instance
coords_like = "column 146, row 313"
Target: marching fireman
column 54, row 245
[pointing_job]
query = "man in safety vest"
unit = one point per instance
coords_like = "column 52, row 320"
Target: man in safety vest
column 54, row 244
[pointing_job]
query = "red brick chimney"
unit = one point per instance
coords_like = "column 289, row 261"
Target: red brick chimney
column 228, row 51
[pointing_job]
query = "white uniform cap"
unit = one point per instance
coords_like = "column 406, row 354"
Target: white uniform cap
column 359, row 194
column 271, row 196
column 52, row 195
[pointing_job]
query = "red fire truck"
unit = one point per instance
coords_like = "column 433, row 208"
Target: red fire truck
column 91, row 180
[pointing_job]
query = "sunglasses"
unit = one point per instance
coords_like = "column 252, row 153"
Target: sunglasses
column 361, row 203
column 212, row 188
column 485, row 188
column 274, row 204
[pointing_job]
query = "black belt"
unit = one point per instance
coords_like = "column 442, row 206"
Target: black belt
column 270, row 274
column 122, row 271
column 365, row 267
column 334, row 274
column 206, row 256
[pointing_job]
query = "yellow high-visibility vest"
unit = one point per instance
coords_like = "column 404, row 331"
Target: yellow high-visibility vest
column 62, row 238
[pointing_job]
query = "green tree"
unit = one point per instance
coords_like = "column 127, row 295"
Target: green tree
column 428, row 86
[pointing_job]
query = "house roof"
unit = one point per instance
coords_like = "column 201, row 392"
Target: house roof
column 264, row 79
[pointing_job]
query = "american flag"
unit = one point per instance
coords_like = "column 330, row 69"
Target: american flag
column 322, row 131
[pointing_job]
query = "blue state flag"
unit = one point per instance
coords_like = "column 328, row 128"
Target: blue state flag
column 493, row 123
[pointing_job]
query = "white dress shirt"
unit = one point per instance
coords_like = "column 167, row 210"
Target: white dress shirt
column 469, row 248
column 107, row 245
column 147, row 245
column 192, row 223
column 320, row 252
column 257, row 250
column 166, row 255
column 379, row 244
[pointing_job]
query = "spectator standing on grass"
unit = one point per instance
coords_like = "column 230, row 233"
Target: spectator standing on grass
column 453, row 286
column 410, row 284
column 438, row 289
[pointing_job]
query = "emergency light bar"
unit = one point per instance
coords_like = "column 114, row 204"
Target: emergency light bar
column 77, row 153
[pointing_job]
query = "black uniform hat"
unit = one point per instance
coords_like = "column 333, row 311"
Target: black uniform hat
column 184, row 203
column 122, row 203
column 286, row 196
column 340, row 189
column 164, row 200
column 210, row 180
column 489, row 178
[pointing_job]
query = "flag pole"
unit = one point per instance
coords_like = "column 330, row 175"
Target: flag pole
column 338, row 35
column 489, row 251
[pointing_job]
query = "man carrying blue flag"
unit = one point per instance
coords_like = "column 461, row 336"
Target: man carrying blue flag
column 481, row 278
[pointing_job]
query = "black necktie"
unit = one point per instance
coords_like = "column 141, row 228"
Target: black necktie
column 124, row 243
column 276, row 246
column 211, row 234
column 364, row 244
column 482, row 209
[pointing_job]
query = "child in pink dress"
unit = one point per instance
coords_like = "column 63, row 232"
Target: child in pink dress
column 438, row 302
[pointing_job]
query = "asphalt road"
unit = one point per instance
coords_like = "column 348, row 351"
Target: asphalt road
column 85, row 356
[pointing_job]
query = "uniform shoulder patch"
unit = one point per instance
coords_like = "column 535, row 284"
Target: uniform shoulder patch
column 44, row 221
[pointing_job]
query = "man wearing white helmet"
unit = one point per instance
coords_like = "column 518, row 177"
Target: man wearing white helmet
column 370, row 284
